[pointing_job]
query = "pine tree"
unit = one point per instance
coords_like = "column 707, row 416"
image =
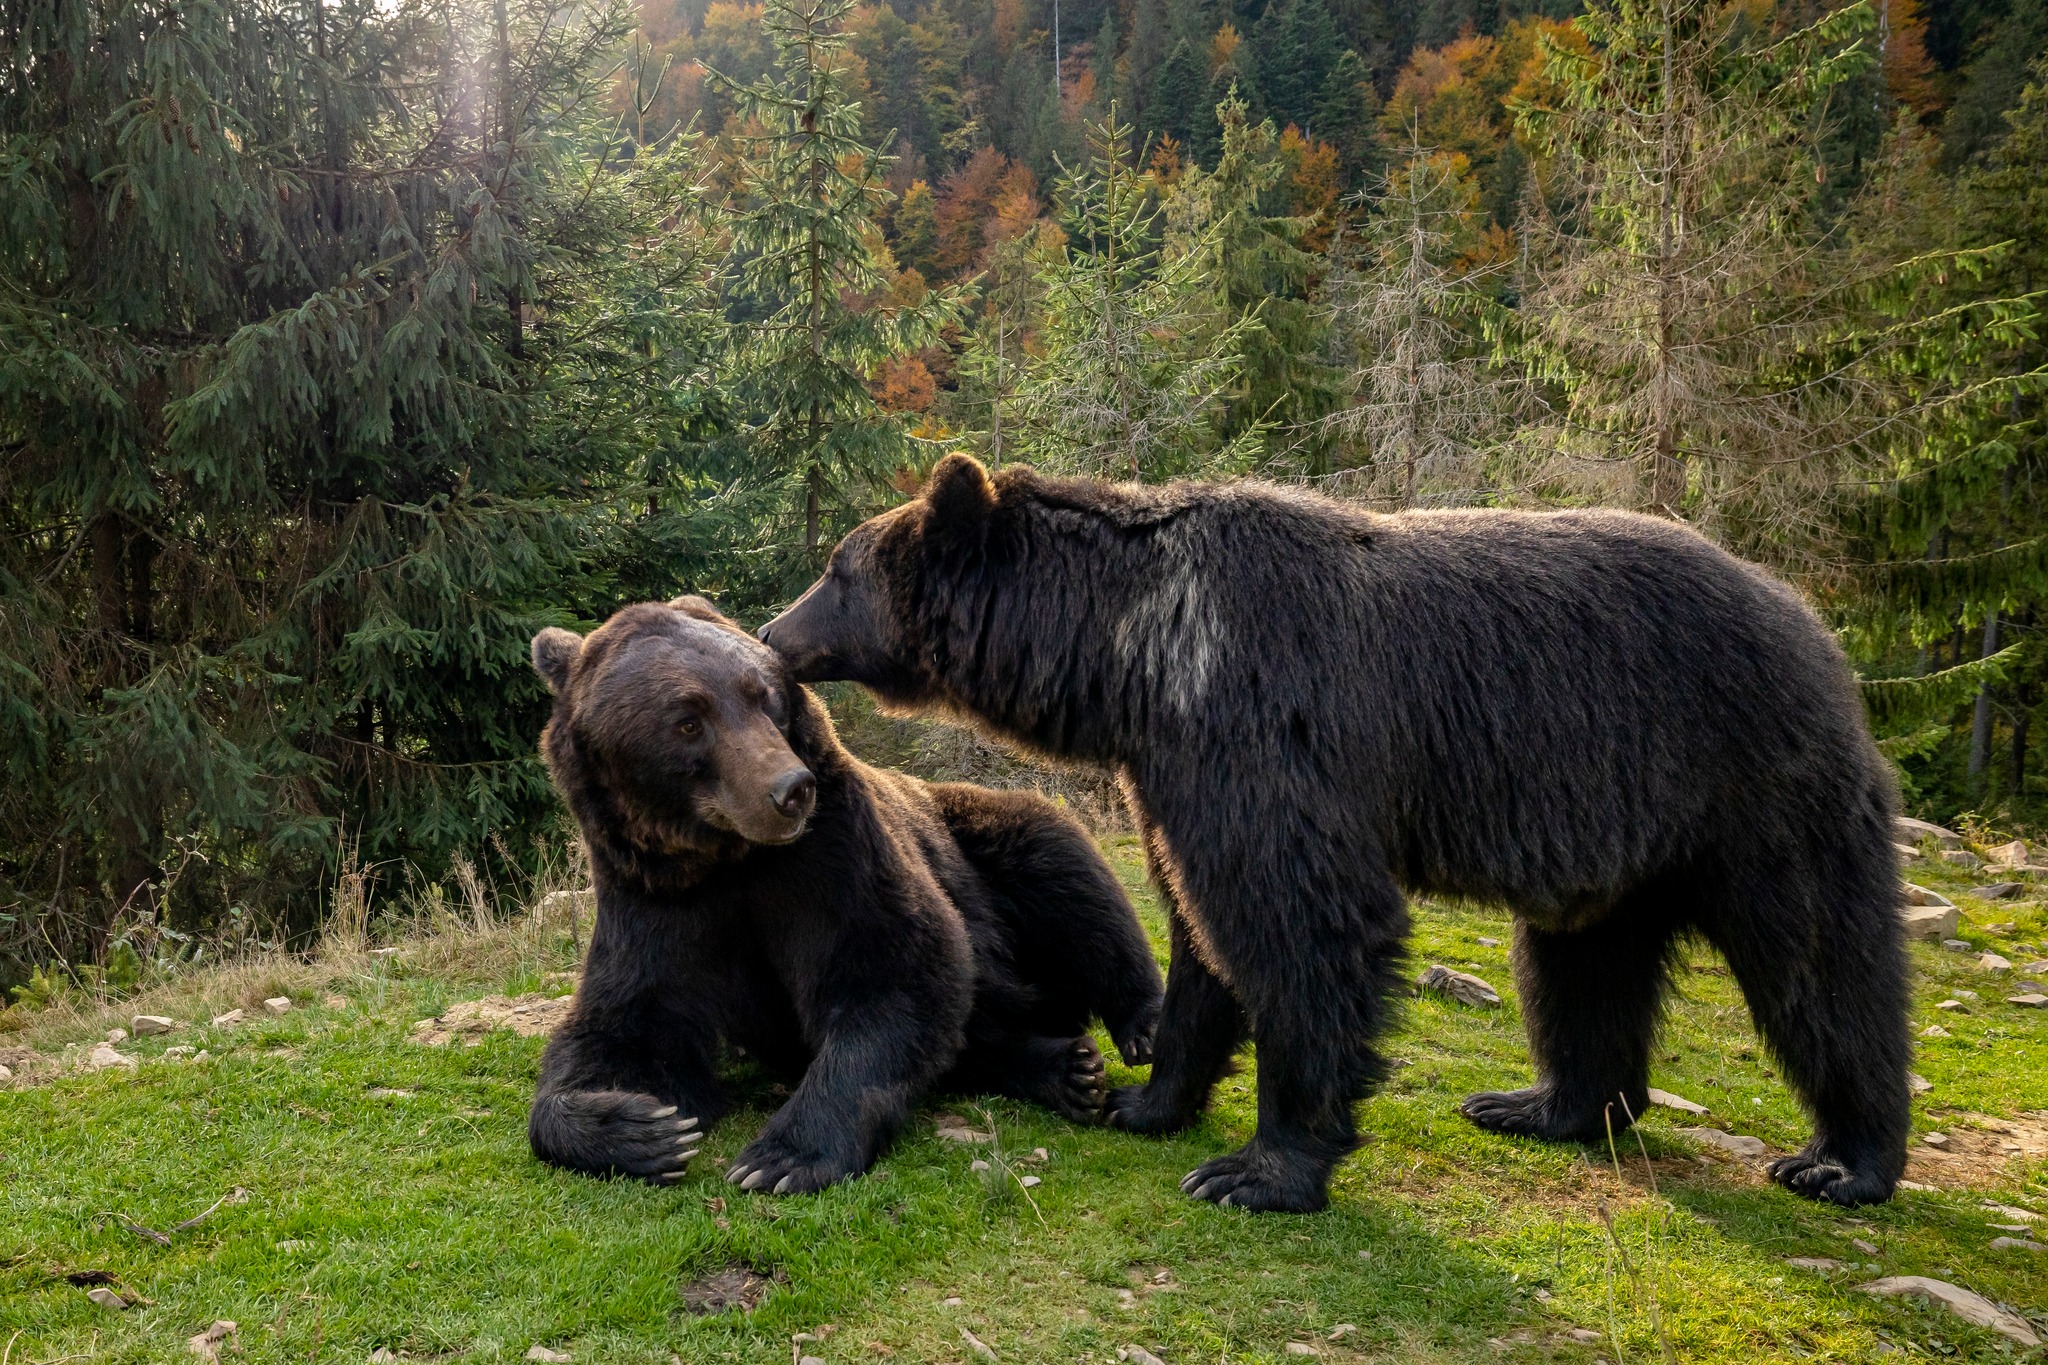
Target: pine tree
column 807, row 266
column 1346, row 116
column 1132, row 361
column 297, row 450
column 1178, row 91
column 1429, row 403
column 1264, row 276
column 1676, row 303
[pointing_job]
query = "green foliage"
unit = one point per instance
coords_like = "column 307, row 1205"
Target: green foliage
column 1135, row 354
column 809, row 282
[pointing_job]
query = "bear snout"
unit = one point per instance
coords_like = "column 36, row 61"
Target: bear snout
column 795, row 793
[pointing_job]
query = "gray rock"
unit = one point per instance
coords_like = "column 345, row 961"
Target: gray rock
column 2017, row 1244
column 1930, row 921
column 1997, row 891
column 1970, row 1307
column 117, row 1035
column 147, row 1024
column 278, row 1004
column 1918, row 1083
column 2032, row 1000
column 1959, row 945
column 1913, row 894
column 1736, row 1144
column 107, row 1298
column 542, row 1353
column 228, row 1020
column 1667, row 1100
column 1137, row 1355
column 1460, row 986
column 103, row 1056
column 1816, row 1263
column 1992, row 962
column 1963, row 858
column 6, row 1073
column 1919, row 831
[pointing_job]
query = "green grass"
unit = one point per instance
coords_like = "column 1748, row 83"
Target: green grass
column 393, row 1204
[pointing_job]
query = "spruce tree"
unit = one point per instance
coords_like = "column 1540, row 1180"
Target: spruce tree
column 1133, row 359
column 304, row 434
column 808, row 271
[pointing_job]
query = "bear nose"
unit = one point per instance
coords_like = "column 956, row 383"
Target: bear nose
column 794, row 792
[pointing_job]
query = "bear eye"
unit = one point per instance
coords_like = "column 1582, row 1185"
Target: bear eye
column 690, row 727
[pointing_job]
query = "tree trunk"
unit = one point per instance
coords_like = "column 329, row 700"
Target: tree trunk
column 1980, row 723
column 1667, row 475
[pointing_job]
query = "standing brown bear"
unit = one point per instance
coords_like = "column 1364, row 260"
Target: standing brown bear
column 759, row 888
column 1596, row 719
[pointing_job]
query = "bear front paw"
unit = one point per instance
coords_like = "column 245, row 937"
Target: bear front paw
column 1262, row 1178
column 1133, row 1037
column 772, row 1167
column 614, row 1132
column 1818, row 1174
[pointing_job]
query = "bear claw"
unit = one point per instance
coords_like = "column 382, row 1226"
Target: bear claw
column 1816, row 1175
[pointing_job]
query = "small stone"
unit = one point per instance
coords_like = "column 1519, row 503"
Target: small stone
column 1959, row 945
column 334, row 1002
column 1992, row 962
column 1867, row 1248
column 1584, row 1334
column 1544, row 1296
column 1027, row 1181
column 1489, row 943
column 103, row 1056
column 1936, row 1140
column 1930, row 921
column 1962, row 994
column 383, row 1355
column 278, row 1004
column 2012, row 1211
column 1822, row 1263
column 147, row 1024
column 1948, row 1004
column 1907, row 853
column 2036, row 968
column 202, row 1055
column 977, row 1165
column 2017, row 1244
column 1963, row 858
column 1342, row 1330
column 1916, row 1185
column 1920, row 831
column 1733, row 1143
column 107, row 1298
column 2032, row 1000
column 978, row 1346
column 962, row 1135
column 228, row 1020
column 1040, row 1154
column 1934, row 1031
column 1912, row 893
column 1665, row 1099
column 1137, row 1355
column 117, row 1035
column 1299, row 1348
column 1997, row 891
column 953, row 1302
column 811, row 1360
column 1460, row 986
column 1918, row 1083
column 540, row 1353
column 6, row 1073
column 1963, row 1303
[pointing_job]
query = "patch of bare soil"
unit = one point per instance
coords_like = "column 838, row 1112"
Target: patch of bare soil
column 729, row 1286
column 529, row 1016
column 1980, row 1150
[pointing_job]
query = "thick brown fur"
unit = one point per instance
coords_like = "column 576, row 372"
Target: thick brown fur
column 1594, row 718
column 869, row 936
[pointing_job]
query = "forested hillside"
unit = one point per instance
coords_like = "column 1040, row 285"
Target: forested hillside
column 346, row 343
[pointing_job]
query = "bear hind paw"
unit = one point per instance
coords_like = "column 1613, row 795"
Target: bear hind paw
column 1815, row 1174
column 1262, row 1179
column 1537, row 1113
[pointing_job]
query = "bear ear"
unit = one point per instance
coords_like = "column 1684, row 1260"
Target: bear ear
column 959, row 490
column 554, row 653
column 694, row 606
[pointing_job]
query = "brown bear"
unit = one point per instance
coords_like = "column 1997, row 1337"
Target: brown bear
column 869, row 936
column 1597, row 719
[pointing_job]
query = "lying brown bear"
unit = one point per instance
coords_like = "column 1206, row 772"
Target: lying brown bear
column 760, row 888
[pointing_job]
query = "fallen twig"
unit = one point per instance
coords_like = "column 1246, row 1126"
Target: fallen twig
column 130, row 1225
column 237, row 1195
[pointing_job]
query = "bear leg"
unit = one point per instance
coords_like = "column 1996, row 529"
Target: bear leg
column 1316, row 1003
column 1590, row 1002
column 1829, row 996
column 1200, row 1027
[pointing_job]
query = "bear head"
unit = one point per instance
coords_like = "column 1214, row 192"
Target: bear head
column 673, row 731
column 863, row 621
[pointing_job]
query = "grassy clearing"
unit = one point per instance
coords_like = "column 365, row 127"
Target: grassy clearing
column 392, row 1203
